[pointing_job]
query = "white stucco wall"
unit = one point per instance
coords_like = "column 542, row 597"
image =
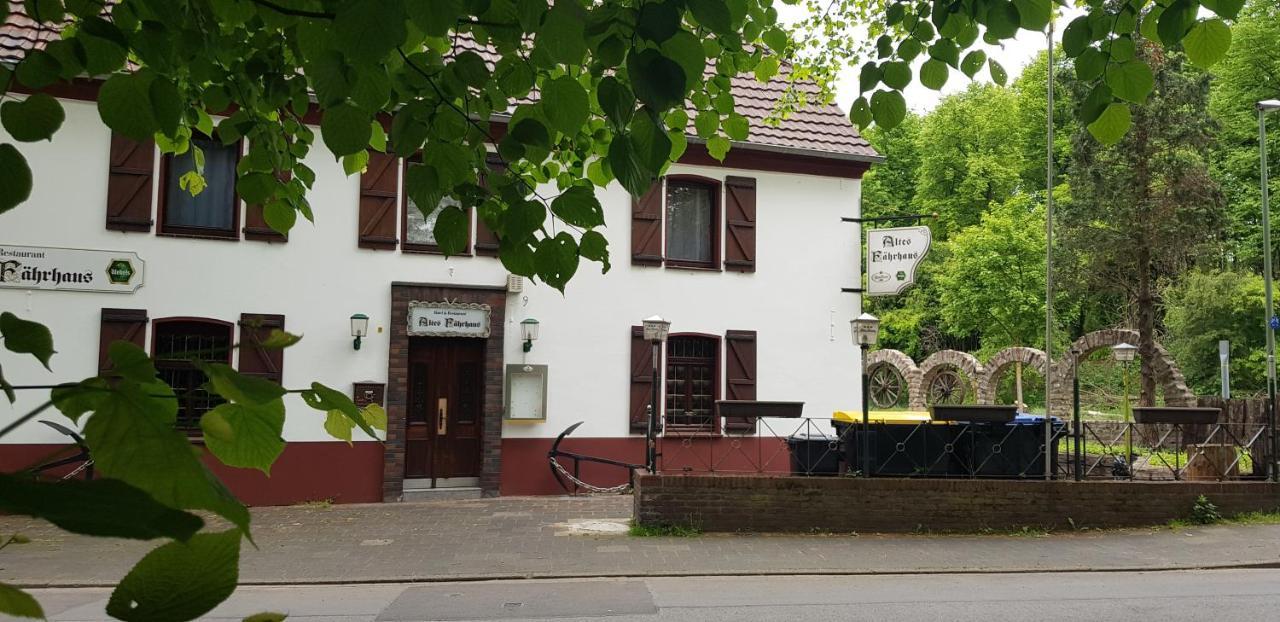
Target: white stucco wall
column 320, row 278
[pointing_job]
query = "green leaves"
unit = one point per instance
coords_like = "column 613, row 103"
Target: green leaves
column 557, row 259
column 565, row 104
column 972, row 63
column 658, row 81
column 616, row 100
column 237, row 387
column 1207, row 42
column 334, row 402
column 124, row 103
column 561, row 36
column 897, row 74
column 579, row 207
column 35, row 118
column 369, row 30
column 245, row 435
column 1112, row 124
column 180, row 580
column 104, row 507
column 933, row 74
column 17, row 178
column 888, row 108
column 1131, row 81
column 345, row 129
column 26, row 337
column 1175, row 20
column 18, row 603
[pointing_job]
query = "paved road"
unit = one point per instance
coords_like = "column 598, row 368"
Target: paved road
column 513, row 537
column 1168, row 596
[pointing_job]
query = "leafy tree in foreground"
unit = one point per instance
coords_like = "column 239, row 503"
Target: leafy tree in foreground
column 893, row 42
column 617, row 81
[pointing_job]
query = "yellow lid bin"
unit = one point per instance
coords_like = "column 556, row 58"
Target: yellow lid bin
column 881, row 416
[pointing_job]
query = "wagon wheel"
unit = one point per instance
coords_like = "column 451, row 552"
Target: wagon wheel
column 886, row 386
column 947, row 388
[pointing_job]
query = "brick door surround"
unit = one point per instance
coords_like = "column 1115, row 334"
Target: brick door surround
column 398, row 379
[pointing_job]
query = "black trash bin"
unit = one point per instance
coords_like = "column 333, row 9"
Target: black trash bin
column 814, row 453
column 908, row 448
column 1007, row 450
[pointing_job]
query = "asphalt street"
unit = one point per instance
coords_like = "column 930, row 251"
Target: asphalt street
column 1166, row 595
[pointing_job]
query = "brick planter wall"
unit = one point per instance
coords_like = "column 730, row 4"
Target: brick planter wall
column 804, row 504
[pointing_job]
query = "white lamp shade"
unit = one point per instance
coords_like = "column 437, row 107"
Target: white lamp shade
column 1124, row 352
column 529, row 330
column 359, row 325
column 865, row 329
column 656, row 328
column 1269, row 104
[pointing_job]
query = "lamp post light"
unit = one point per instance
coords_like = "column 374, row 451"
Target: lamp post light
column 359, row 328
column 1263, row 108
column 1124, row 353
column 866, row 330
column 655, row 332
column 529, row 333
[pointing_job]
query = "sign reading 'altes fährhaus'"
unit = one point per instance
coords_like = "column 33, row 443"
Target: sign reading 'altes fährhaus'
column 892, row 258
column 70, row 269
column 448, row 319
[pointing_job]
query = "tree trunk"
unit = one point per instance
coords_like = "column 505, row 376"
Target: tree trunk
column 1146, row 328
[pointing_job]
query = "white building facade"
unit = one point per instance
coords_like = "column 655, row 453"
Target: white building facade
column 745, row 258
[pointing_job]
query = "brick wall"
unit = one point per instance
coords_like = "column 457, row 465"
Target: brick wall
column 803, row 504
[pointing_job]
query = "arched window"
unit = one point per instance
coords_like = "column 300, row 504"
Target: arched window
column 692, row 219
column 176, row 343
column 693, row 382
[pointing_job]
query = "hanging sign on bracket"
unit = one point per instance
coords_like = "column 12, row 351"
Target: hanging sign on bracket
column 893, row 255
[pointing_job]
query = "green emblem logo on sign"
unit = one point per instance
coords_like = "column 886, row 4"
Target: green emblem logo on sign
column 120, row 271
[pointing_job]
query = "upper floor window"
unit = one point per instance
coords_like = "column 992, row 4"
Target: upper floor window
column 691, row 223
column 420, row 228
column 692, row 381
column 214, row 211
column 177, row 342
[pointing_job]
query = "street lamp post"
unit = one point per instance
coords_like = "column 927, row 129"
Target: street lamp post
column 866, row 330
column 1124, row 353
column 655, row 332
column 1263, row 108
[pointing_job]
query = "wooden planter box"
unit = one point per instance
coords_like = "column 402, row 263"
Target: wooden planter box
column 755, row 409
column 1175, row 414
column 977, row 413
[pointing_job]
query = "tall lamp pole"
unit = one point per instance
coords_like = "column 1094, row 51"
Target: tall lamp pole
column 1124, row 353
column 1263, row 108
column 655, row 332
column 866, row 331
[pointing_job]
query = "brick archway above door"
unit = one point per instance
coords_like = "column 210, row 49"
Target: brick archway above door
column 398, row 379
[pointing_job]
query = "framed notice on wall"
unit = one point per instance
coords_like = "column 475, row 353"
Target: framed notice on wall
column 526, row 393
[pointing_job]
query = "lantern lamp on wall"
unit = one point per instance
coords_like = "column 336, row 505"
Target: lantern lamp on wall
column 359, row 328
column 529, row 333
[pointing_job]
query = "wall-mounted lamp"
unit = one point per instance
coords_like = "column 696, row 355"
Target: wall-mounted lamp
column 359, row 328
column 529, row 333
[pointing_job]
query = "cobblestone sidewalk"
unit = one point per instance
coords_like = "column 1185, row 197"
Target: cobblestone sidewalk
column 514, row 537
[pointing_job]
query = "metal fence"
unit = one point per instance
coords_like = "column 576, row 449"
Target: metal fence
column 1095, row 450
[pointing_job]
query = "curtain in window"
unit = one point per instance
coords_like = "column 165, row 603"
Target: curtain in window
column 214, row 207
column 420, row 229
column 688, row 222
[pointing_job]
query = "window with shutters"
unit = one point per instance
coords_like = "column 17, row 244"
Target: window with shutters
column 215, row 210
column 692, row 382
column 419, row 225
column 692, row 218
column 176, row 342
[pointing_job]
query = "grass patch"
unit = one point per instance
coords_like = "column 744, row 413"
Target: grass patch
column 1248, row 518
column 664, row 530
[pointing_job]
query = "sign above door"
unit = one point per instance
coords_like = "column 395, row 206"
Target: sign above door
column 70, row 269
column 448, row 319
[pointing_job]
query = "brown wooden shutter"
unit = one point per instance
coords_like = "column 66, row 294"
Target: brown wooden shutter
column 378, row 204
column 120, row 325
column 129, row 184
column 486, row 239
column 646, row 227
column 254, row 359
column 641, row 380
column 255, row 225
column 740, row 224
column 740, row 376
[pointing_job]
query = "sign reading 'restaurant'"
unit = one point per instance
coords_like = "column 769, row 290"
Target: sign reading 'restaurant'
column 448, row 319
column 892, row 258
column 70, row 269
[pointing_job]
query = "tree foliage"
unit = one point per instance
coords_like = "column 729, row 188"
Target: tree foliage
column 1204, row 307
column 883, row 39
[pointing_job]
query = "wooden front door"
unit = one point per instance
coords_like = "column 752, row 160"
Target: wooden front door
column 446, row 399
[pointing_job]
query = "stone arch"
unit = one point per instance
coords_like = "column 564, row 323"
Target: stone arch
column 911, row 374
column 1168, row 375
column 944, row 359
column 1001, row 362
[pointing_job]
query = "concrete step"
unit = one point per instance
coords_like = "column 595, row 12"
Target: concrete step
column 441, row 494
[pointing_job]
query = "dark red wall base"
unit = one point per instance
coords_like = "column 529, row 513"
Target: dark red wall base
column 323, row 471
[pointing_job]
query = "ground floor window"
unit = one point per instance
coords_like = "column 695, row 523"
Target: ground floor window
column 177, row 343
column 692, row 364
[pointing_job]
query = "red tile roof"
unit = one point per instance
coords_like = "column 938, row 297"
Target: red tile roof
column 820, row 130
